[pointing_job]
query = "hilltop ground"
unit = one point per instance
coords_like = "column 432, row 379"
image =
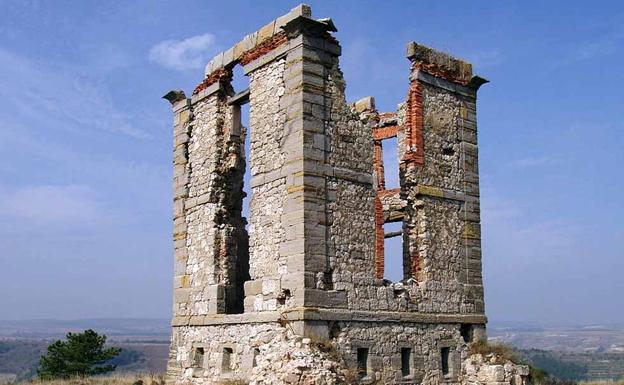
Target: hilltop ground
column 570, row 352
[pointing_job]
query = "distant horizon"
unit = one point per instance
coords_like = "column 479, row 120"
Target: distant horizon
column 168, row 319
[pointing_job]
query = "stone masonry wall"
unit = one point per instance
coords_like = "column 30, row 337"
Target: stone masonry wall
column 248, row 347
column 306, row 276
column 210, row 240
column 267, row 231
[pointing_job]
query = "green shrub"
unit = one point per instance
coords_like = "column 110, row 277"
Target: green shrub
column 82, row 354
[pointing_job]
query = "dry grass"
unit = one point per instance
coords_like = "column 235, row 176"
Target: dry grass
column 501, row 352
column 118, row 379
column 603, row 382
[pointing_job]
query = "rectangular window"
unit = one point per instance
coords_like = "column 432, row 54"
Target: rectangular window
column 226, row 363
column 393, row 251
column 445, row 353
column 406, row 361
column 390, row 151
column 362, row 362
column 198, row 358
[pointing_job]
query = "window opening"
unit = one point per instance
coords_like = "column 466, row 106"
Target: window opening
column 445, row 353
column 466, row 331
column 390, row 156
column 393, row 251
column 406, row 361
column 227, row 360
column 362, row 362
column 198, row 358
column 239, row 105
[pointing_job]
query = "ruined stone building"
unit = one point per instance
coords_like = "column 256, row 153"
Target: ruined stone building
column 294, row 292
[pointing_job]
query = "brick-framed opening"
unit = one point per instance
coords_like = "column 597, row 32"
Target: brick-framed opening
column 387, row 132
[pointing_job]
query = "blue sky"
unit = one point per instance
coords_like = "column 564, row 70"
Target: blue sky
column 85, row 142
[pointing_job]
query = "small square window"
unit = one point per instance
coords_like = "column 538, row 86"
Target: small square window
column 226, row 360
column 198, row 358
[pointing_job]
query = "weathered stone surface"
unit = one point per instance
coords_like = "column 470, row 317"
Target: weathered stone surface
column 294, row 293
column 489, row 370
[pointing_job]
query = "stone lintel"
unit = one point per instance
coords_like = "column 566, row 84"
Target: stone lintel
column 469, row 90
column 437, row 192
column 232, row 55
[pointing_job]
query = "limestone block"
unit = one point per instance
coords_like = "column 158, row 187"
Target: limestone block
column 253, row 287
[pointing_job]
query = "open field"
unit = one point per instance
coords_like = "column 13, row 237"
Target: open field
column 120, row 379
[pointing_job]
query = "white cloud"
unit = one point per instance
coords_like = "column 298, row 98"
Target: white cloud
column 190, row 53
column 50, row 204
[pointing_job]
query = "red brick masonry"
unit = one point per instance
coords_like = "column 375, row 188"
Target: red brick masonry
column 263, row 48
column 222, row 74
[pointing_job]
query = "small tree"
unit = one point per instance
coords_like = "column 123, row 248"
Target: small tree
column 83, row 354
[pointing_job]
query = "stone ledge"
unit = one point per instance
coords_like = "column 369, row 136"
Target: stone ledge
column 437, row 192
column 450, row 86
column 320, row 314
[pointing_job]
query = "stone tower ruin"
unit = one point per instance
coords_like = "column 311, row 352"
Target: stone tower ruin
column 296, row 288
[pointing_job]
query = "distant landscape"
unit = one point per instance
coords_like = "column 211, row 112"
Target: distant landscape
column 573, row 352
column 145, row 343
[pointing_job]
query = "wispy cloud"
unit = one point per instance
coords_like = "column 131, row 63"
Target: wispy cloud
column 50, row 96
column 189, row 53
column 50, row 205
column 604, row 40
column 604, row 46
column 535, row 161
